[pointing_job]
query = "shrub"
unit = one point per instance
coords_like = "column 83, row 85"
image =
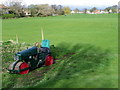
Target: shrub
column 5, row 16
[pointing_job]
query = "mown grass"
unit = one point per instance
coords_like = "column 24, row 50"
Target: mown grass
column 88, row 67
column 99, row 30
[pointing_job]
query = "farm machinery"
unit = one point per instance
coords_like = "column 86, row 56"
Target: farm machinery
column 32, row 58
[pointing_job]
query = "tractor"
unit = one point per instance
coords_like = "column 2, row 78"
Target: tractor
column 32, row 58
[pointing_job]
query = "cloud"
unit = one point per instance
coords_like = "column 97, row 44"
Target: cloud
column 73, row 2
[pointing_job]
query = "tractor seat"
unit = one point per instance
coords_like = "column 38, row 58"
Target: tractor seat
column 45, row 50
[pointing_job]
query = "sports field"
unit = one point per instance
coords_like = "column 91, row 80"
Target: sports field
column 99, row 30
column 77, row 29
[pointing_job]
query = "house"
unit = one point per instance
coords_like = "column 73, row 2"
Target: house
column 88, row 12
column 2, row 6
column 72, row 12
column 103, row 12
column 96, row 12
column 99, row 12
column 27, row 12
column 80, row 12
column 3, row 9
column 110, row 11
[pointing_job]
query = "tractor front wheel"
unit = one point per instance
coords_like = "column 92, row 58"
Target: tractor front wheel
column 23, row 66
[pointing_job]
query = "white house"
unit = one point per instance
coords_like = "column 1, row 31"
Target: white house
column 110, row 11
column 88, row 12
column 102, row 12
column 27, row 13
column 72, row 12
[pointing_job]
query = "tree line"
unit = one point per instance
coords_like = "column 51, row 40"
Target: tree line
column 114, row 9
column 18, row 9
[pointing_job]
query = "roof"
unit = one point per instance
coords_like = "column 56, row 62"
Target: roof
column 2, row 6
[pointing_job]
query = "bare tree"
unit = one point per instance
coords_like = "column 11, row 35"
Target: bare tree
column 76, row 10
column 58, row 9
column 44, row 10
column 85, row 10
column 93, row 9
column 119, row 7
column 33, row 9
column 16, row 7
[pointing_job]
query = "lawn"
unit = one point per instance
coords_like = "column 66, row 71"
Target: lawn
column 99, row 30
column 93, row 33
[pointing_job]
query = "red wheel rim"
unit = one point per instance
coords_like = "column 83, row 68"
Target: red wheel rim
column 49, row 60
column 23, row 66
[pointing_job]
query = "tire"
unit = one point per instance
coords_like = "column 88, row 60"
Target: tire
column 23, row 66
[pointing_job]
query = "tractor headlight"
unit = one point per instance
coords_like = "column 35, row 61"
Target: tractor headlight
column 17, row 57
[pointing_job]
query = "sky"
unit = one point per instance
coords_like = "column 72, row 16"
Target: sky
column 77, row 3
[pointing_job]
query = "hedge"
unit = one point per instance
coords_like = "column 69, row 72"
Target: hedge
column 5, row 16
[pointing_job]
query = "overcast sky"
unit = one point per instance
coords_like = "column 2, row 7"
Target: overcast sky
column 90, row 3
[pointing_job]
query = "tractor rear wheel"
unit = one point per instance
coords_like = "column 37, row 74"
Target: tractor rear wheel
column 23, row 66
column 49, row 60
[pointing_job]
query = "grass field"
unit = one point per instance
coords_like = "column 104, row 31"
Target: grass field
column 100, row 30
column 82, row 30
